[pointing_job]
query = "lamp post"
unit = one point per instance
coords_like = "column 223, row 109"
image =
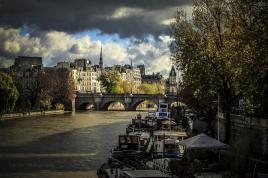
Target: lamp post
column 218, row 115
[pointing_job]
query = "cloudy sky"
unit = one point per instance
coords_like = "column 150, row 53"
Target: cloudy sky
column 61, row 30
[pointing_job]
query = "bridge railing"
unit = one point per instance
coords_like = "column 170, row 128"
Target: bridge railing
column 123, row 94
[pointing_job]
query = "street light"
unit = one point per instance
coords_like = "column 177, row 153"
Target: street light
column 218, row 116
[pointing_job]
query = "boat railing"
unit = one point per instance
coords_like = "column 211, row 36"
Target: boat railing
column 161, row 165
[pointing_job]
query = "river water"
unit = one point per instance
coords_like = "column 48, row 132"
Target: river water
column 70, row 145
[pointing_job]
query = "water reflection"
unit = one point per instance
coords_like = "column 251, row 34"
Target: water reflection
column 76, row 143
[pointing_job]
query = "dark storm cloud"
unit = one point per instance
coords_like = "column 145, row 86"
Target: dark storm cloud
column 78, row 15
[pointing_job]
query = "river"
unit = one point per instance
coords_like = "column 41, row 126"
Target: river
column 72, row 145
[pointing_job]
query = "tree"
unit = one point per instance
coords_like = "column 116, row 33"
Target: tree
column 125, row 85
column 62, row 86
column 22, row 103
column 109, row 80
column 147, row 88
column 117, row 89
column 160, row 88
column 128, row 86
column 34, row 88
column 55, row 86
column 8, row 93
column 215, row 50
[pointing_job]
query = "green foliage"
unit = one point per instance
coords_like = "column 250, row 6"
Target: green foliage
column 109, row 80
column 22, row 103
column 8, row 93
column 59, row 106
column 53, row 85
column 117, row 89
column 45, row 104
column 218, row 50
column 62, row 86
column 147, row 88
column 113, row 84
column 126, row 86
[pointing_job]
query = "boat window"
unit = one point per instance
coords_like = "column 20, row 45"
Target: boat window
column 170, row 148
column 163, row 106
column 128, row 140
column 122, row 140
column 135, row 139
column 162, row 114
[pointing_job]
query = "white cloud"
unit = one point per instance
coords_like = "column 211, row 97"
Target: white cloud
column 11, row 46
column 124, row 12
column 168, row 21
column 56, row 46
column 154, row 53
column 161, row 63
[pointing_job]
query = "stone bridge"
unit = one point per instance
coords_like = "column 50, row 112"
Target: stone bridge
column 130, row 101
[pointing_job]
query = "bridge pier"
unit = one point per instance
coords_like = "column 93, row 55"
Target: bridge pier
column 97, row 102
column 73, row 103
column 127, row 102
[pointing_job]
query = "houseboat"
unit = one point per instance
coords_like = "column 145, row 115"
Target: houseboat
column 166, row 143
column 131, row 148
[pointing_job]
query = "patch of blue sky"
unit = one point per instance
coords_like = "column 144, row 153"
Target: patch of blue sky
column 96, row 35
column 46, row 62
column 25, row 29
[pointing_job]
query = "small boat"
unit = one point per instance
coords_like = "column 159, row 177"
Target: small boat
column 150, row 122
column 131, row 148
column 166, row 143
column 141, row 124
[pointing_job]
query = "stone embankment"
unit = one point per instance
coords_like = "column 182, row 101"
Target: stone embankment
column 32, row 114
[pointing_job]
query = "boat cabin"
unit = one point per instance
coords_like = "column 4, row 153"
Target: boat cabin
column 163, row 111
column 165, row 134
column 133, row 141
column 168, row 124
column 166, row 143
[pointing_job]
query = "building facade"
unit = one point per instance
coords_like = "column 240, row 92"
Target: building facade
column 155, row 78
column 142, row 69
column 86, row 76
column 23, row 63
column 132, row 75
column 27, row 69
column 171, row 82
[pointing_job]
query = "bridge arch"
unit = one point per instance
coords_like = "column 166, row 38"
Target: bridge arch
column 86, row 106
column 137, row 103
column 179, row 103
column 105, row 106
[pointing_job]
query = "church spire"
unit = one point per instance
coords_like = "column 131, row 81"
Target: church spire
column 101, row 62
column 172, row 72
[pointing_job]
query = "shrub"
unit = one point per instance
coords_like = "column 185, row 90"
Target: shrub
column 59, row 106
column 45, row 104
